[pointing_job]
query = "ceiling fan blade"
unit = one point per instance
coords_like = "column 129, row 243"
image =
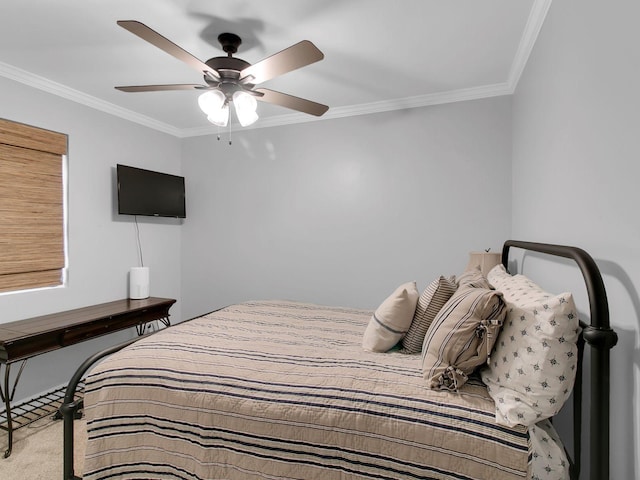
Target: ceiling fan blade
column 154, row 38
column 296, row 56
column 161, row 88
column 289, row 101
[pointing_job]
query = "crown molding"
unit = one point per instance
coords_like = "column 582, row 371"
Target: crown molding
column 49, row 86
column 536, row 19
column 532, row 29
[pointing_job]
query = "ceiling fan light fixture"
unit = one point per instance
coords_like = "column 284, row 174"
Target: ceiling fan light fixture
column 219, row 117
column 245, row 105
column 211, row 102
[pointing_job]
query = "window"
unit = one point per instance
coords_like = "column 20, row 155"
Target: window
column 32, row 230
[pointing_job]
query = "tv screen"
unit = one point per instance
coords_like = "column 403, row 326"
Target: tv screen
column 145, row 192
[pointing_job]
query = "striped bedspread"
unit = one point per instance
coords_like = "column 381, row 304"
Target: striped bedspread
column 283, row 390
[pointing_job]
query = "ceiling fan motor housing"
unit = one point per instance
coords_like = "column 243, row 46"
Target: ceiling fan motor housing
column 229, row 69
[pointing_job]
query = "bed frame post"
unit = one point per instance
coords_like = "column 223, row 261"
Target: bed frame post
column 71, row 405
column 599, row 335
column 600, row 406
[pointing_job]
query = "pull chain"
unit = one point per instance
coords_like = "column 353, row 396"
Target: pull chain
column 218, row 135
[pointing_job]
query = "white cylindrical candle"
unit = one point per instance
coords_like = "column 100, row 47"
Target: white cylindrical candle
column 139, row 283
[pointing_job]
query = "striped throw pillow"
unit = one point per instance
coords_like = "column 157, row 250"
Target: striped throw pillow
column 461, row 337
column 429, row 304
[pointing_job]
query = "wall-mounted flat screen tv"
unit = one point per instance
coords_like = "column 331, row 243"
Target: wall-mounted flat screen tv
column 145, row 192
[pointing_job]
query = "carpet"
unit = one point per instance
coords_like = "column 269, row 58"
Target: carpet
column 37, row 451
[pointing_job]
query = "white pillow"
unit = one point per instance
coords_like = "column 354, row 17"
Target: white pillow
column 548, row 458
column 392, row 319
column 533, row 365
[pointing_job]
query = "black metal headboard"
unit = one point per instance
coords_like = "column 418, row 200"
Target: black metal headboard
column 599, row 335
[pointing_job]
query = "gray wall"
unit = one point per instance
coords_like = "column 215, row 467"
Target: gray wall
column 102, row 245
column 576, row 146
column 330, row 212
column 342, row 211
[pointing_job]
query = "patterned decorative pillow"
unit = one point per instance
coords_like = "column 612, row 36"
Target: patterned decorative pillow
column 461, row 337
column 513, row 286
column 547, row 453
column 533, row 366
column 429, row 304
column 392, row 319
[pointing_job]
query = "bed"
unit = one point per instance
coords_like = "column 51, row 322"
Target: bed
column 289, row 390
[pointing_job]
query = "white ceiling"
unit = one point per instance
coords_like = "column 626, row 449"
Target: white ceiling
column 379, row 55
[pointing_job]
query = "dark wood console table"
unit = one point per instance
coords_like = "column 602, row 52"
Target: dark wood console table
column 24, row 339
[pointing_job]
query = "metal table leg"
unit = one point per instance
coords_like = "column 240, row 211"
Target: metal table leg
column 7, row 393
column 142, row 328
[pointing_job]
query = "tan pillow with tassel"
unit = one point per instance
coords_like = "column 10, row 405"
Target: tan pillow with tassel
column 461, row 337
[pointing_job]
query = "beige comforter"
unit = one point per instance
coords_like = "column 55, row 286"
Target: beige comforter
column 283, row 390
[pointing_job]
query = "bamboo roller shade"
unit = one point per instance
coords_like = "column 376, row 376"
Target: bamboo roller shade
column 31, row 206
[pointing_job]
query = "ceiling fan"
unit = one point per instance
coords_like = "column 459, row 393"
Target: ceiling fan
column 229, row 79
